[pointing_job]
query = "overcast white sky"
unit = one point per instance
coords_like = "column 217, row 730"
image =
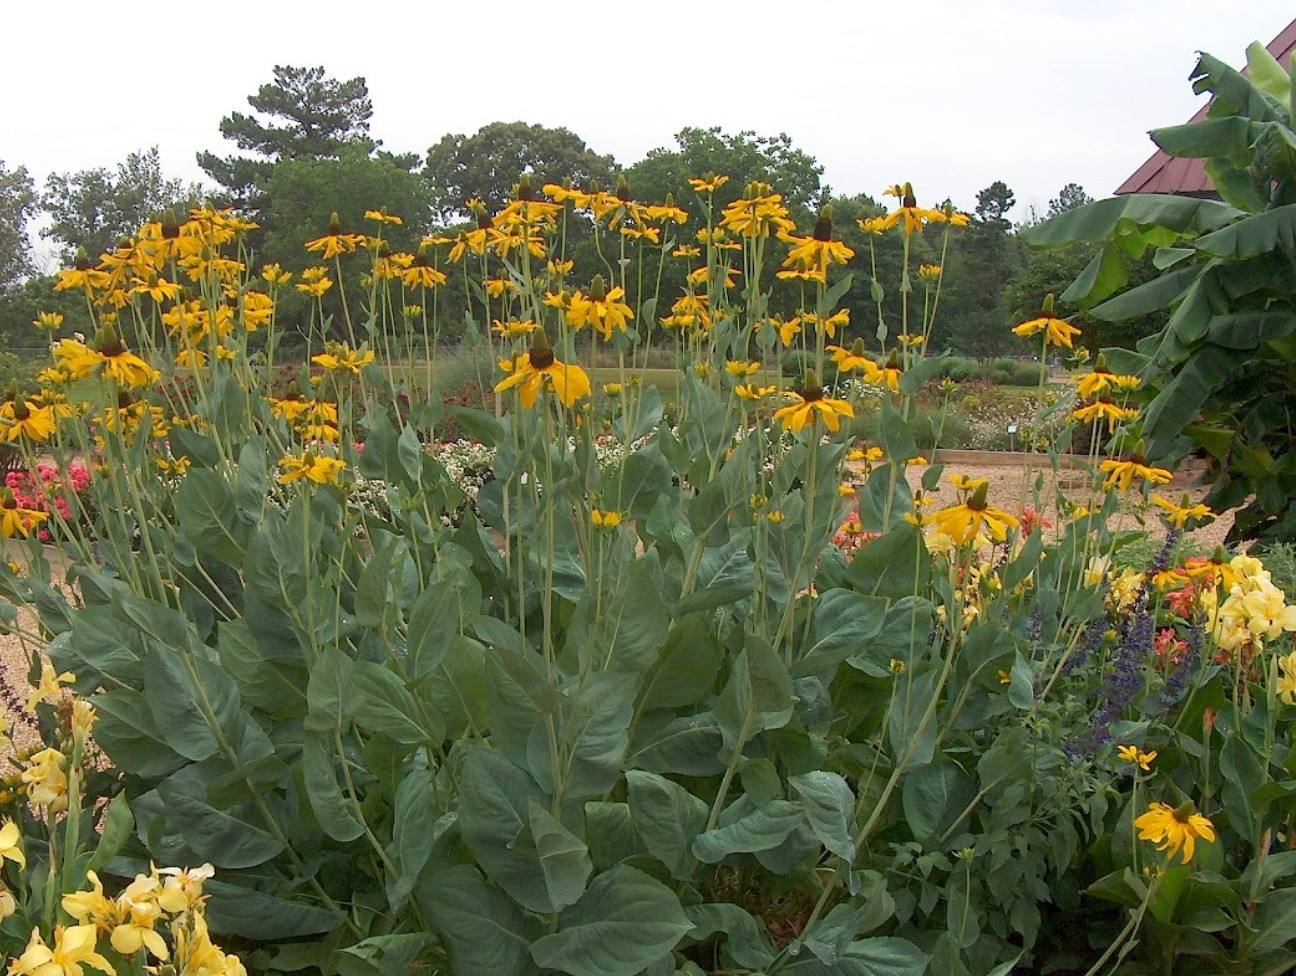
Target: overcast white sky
column 950, row 95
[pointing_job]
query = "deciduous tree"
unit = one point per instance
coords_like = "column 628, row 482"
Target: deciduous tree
column 17, row 203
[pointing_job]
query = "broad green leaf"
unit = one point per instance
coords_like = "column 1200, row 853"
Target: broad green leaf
column 757, row 696
column 625, row 922
column 130, row 736
column 668, row 818
column 892, row 566
column 1247, row 330
column 330, row 693
column 415, row 828
column 382, row 704
column 1097, row 221
column 686, row 666
column 687, row 745
column 495, row 820
column 830, row 810
column 932, row 797
column 842, row 621
column 1275, row 922
column 208, row 516
column 485, row 932
column 564, row 858
column 1254, row 235
column 746, row 939
column 230, row 838
column 243, row 911
column 332, row 809
column 596, row 734
column 391, row 955
column 866, row 957
column 758, row 830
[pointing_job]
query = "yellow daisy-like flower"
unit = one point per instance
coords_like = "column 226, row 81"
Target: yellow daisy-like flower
column 109, row 356
column 335, row 242
column 49, row 321
column 1179, row 514
column 1122, row 473
column 1132, row 754
column 969, row 518
column 1059, row 332
column 709, row 183
column 601, row 309
column 421, row 274
column 604, row 520
column 539, row 368
column 312, row 467
column 754, row 391
column 1104, row 411
column 1175, row 828
column 344, row 359
column 810, row 404
column 811, row 256
column 383, row 217
column 913, row 217
column 15, row 521
column 1102, row 379
column 32, row 422
column 738, row 367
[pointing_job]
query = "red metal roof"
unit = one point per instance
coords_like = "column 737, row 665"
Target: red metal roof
column 1167, row 174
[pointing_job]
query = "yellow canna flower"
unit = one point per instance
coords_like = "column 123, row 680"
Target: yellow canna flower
column 46, row 780
column 49, row 685
column 74, row 948
column 10, row 849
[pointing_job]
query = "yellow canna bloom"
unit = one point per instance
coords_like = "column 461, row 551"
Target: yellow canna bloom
column 10, row 849
column 312, row 467
column 1174, row 828
column 48, row 687
column 74, row 948
column 46, row 780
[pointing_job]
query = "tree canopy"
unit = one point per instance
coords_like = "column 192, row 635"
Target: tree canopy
column 301, row 113
column 486, row 165
column 743, row 157
column 17, row 203
column 95, row 207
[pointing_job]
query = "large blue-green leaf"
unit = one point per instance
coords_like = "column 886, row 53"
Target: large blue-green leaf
column 625, row 922
column 1098, row 221
column 1255, row 235
column 829, row 809
column 239, row 910
column 485, row 932
column 668, row 818
column 760, row 829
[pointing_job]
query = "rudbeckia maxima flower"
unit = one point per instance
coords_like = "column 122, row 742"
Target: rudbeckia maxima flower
column 972, row 516
column 810, row 404
column 539, row 368
column 1175, row 828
